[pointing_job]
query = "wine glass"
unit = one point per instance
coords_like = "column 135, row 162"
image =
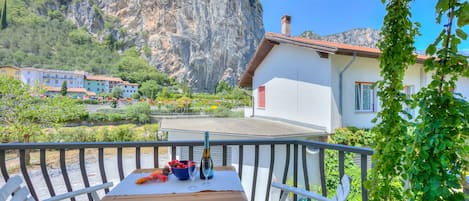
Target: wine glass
column 191, row 167
column 206, row 169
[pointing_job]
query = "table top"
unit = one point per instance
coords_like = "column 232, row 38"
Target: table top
column 204, row 195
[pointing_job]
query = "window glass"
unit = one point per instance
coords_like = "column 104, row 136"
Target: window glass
column 364, row 97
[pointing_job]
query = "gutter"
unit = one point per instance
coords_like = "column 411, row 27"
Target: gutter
column 341, row 83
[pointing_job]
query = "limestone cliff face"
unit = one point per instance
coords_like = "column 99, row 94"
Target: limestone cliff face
column 366, row 37
column 198, row 41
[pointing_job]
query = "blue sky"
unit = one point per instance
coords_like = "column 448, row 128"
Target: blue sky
column 333, row 16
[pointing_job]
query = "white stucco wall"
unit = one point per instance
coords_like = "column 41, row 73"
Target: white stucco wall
column 297, row 86
column 362, row 70
column 462, row 86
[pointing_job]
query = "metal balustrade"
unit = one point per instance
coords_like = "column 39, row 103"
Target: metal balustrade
column 290, row 152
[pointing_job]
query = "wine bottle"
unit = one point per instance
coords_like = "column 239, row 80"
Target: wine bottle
column 206, row 159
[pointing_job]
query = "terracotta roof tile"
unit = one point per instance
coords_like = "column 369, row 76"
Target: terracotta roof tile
column 105, row 78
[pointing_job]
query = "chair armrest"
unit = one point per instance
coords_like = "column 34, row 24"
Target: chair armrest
column 299, row 191
column 80, row 192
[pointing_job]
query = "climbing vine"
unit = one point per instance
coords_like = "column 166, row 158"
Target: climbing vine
column 397, row 54
column 437, row 159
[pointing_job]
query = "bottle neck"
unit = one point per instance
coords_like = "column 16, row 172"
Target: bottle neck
column 206, row 147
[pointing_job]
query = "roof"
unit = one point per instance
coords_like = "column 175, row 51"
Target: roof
column 71, row 90
column 252, row 127
column 322, row 47
column 74, row 72
column 129, row 84
column 104, row 78
column 14, row 67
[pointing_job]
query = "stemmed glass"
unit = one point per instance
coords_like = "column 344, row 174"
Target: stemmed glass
column 206, row 169
column 192, row 168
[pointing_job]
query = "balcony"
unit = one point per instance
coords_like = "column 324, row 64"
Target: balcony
column 60, row 167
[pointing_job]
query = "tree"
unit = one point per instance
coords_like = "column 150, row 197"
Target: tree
column 437, row 158
column 4, row 23
column 223, row 87
column 150, row 89
column 24, row 115
column 63, row 90
column 397, row 49
column 117, row 92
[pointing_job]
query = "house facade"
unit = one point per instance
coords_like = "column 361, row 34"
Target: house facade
column 10, row 71
column 97, row 84
column 321, row 84
column 55, row 78
column 32, row 76
column 128, row 89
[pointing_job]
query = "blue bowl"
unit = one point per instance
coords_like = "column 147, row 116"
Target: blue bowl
column 181, row 173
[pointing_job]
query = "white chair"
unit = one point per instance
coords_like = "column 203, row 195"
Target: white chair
column 341, row 194
column 14, row 190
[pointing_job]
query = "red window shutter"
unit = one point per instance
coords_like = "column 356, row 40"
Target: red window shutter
column 261, row 96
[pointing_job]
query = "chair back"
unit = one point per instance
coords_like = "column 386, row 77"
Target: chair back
column 343, row 189
column 15, row 191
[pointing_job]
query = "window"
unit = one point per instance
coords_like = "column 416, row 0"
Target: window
column 364, row 97
column 56, row 81
column 261, row 97
column 408, row 91
column 4, row 71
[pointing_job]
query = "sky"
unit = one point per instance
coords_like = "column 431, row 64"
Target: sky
column 334, row 16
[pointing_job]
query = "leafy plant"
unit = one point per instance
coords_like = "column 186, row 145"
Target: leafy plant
column 139, row 112
column 398, row 34
column 63, row 90
column 437, row 157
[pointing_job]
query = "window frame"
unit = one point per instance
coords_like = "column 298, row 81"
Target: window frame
column 359, row 103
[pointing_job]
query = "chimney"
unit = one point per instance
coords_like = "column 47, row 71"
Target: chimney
column 286, row 19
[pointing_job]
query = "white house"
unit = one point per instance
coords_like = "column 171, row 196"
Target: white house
column 53, row 78
column 320, row 84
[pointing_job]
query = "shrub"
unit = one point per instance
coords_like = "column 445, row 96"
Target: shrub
column 139, row 112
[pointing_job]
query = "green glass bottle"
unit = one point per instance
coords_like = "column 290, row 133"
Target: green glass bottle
column 206, row 159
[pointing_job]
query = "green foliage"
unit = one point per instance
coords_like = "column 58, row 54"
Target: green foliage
column 150, row 89
column 24, row 115
column 223, row 87
column 397, row 49
column 4, row 23
column 353, row 137
column 117, row 92
column 139, row 112
column 79, row 36
column 126, row 132
column 63, row 90
column 146, row 50
column 437, row 157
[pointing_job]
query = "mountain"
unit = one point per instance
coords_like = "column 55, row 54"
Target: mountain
column 198, row 42
column 366, row 37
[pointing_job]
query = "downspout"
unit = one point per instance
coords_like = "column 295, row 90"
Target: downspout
column 340, row 86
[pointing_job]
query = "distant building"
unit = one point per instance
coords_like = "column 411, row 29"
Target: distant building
column 97, row 84
column 32, row 76
column 11, row 71
column 71, row 92
column 128, row 89
column 105, row 84
column 53, row 78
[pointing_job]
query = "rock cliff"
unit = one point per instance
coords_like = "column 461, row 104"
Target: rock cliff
column 366, row 37
column 196, row 41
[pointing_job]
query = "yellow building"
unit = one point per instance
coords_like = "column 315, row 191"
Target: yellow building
column 11, row 71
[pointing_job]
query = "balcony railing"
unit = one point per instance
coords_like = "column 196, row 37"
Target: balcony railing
column 250, row 157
